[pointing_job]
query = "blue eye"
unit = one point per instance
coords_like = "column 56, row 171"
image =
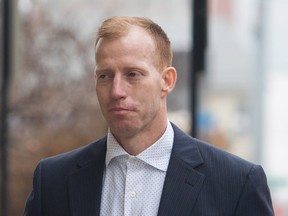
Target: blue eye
column 104, row 76
column 133, row 74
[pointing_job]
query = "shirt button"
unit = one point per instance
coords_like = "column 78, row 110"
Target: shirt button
column 132, row 194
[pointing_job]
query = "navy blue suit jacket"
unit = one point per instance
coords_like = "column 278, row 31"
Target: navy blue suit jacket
column 201, row 180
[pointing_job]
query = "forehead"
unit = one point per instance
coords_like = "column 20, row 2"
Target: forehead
column 136, row 40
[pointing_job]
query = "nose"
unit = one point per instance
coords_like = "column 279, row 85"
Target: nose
column 118, row 88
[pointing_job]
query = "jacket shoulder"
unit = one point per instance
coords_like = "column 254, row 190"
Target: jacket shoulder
column 208, row 156
column 68, row 161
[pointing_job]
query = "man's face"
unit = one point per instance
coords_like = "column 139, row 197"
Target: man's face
column 129, row 84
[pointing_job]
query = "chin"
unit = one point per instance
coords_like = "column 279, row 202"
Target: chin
column 125, row 129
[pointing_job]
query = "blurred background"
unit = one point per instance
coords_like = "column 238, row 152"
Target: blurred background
column 232, row 90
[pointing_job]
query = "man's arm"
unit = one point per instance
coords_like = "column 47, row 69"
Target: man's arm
column 33, row 203
column 255, row 198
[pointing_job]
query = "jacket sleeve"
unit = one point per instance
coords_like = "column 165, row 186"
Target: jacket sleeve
column 255, row 197
column 33, row 204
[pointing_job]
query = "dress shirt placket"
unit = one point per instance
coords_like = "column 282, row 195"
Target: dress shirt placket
column 133, row 187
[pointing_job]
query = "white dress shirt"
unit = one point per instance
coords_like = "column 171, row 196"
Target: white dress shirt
column 132, row 185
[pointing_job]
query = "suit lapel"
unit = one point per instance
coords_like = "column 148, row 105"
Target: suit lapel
column 181, row 187
column 182, row 183
column 85, row 184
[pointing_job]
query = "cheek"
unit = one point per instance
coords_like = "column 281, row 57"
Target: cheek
column 100, row 96
column 151, row 97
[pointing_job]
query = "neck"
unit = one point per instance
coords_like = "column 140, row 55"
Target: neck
column 134, row 145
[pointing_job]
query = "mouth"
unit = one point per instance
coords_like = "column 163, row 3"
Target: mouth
column 120, row 110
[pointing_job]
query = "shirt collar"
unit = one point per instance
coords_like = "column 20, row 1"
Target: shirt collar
column 157, row 155
column 114, row 149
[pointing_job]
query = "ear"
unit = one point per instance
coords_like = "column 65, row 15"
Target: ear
column 169, row 77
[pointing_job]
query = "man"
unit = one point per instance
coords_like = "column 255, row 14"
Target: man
column 146, row 165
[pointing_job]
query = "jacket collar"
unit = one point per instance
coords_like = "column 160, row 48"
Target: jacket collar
column 183, row 182
column 85, row 184
column 181, row 187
